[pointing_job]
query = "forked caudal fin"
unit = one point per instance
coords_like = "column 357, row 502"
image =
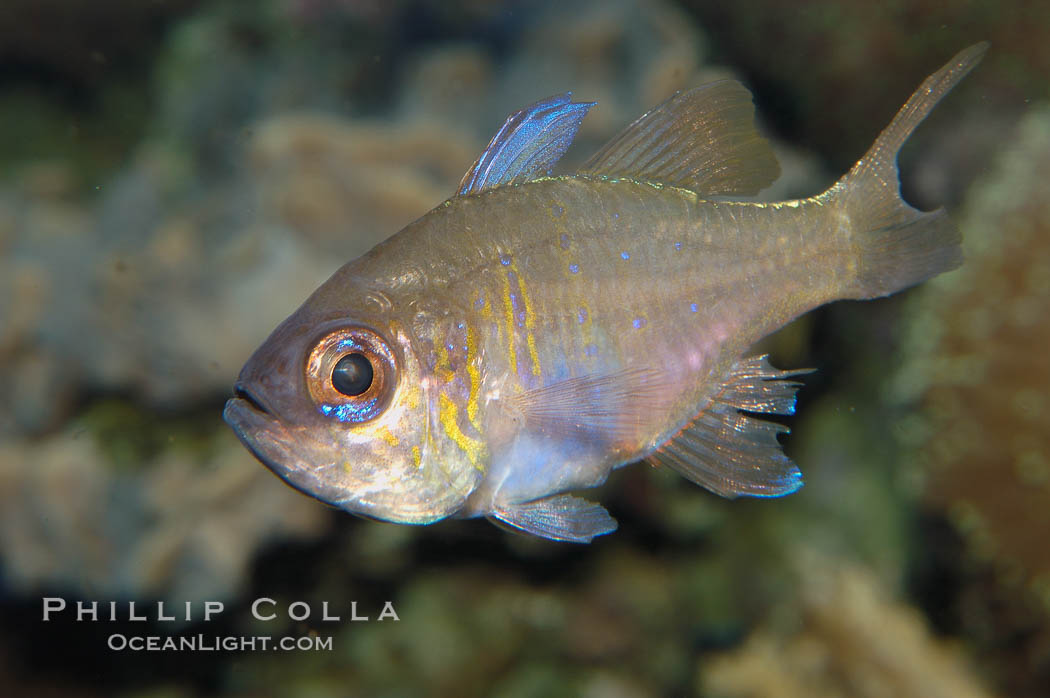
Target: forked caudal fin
column 896, row 245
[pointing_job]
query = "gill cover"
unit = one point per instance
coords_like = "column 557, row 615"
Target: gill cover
column 339, row 408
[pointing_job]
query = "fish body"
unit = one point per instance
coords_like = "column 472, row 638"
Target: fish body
column 534, row 332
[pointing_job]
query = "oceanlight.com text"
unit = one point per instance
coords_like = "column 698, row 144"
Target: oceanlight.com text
column 119, row 642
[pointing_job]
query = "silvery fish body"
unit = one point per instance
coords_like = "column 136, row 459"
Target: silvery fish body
column 534, row 332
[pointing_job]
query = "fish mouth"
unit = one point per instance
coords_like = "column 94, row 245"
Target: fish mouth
column 274, row 444
column 241, row 392
column 258, row 428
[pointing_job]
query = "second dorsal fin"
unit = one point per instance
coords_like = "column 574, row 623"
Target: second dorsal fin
column 703, row 139
column 529, row 144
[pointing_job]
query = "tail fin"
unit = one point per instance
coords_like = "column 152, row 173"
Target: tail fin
column 896, row 245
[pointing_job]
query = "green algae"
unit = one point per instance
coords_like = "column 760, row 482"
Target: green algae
column 131, row 437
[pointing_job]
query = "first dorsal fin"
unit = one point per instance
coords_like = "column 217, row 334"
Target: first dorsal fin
column 529, row 144
column 731, row 453
column 702, row 139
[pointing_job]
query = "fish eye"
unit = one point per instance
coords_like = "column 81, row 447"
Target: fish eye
column 350, row 374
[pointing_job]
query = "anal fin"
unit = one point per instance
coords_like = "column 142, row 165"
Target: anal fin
column 561, row 517
column 731, row 453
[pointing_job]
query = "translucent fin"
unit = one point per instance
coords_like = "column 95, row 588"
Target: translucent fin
column 897, row 245
column 898, row 256
column 606, row 406
column 731, row 453
column 528, row 144
column 561, row 517
column 702, row 139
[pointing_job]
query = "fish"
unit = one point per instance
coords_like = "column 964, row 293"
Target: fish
column 536, row 331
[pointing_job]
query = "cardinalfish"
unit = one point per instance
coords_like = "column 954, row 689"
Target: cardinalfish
column 534, row 332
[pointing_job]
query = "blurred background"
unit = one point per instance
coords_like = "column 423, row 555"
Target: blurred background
column 177, row 175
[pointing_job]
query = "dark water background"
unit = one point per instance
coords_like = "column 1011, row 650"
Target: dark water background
column 176, row 176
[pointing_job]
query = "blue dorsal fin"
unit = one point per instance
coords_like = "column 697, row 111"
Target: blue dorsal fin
column 528, row 144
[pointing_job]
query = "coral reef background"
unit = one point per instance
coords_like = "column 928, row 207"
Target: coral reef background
column 175, row 177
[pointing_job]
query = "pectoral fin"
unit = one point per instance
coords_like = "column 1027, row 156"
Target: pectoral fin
column 607, row 406
column 731, row 453
column 561, row 517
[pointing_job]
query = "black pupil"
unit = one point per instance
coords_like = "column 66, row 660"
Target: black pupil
column 352, row 375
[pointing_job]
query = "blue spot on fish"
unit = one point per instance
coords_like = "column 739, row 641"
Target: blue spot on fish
column 574, row 268
column 564, row 241
column 590, row 350
column 504, row 260
column 616, row 216
column 460, row 325
column 349, row 344
column 678, row 245
column 625, row 255
column 581, row 315
column 692, row 306
column 350, row 412
column 480, row 302
column 639, row 323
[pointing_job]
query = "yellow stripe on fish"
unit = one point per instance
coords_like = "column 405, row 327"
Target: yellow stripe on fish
column 388, row 436
column 508, row 318
column 443, row 365
column 530, row 322
column 447, row 413
column 475, row 377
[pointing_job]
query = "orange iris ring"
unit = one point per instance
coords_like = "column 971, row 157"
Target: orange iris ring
column 327, row 353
